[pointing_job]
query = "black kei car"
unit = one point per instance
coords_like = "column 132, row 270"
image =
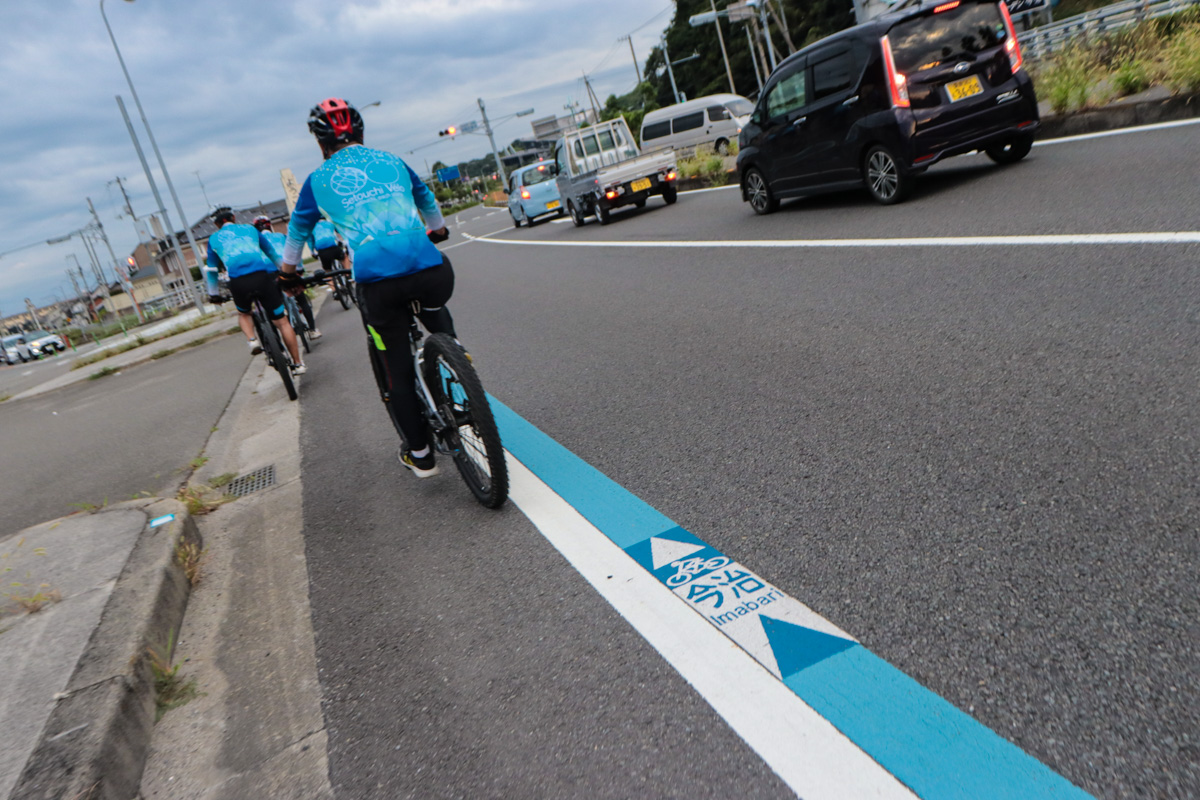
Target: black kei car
column 881, row 102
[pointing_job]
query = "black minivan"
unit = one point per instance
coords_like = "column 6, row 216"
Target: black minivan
column 878, row 103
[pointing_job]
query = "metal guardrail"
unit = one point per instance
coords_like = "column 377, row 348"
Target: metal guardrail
column 1044, row 40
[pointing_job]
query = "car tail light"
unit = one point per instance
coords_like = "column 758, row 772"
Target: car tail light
column 897, row 83
column 524, row 194
column 946, row 6
column 1010, row 44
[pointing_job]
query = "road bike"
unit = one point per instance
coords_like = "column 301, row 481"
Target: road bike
column 454, row 405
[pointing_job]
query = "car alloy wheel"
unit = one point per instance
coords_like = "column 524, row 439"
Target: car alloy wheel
column 758, row 193
column 884, row 180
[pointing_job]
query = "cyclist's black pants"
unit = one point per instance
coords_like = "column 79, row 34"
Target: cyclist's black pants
column 329, row 255
column 387, row 306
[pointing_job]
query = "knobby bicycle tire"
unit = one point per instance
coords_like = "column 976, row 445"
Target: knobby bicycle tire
column 471, row 409
column 273, row 344
column 342, row 287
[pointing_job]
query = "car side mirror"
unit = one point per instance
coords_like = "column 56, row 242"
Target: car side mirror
column 756, row 117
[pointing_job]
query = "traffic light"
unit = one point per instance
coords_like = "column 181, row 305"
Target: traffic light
column 449, row 131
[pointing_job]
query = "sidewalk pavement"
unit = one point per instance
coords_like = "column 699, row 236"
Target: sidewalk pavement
column 138, row 355
column 77, row 697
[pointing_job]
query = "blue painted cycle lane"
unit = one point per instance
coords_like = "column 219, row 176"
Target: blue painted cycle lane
column 930, row 746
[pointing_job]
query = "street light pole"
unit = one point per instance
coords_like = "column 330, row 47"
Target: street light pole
column 671, row 72
column 187, row 229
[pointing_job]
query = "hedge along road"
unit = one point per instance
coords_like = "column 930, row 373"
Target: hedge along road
column 978, row 461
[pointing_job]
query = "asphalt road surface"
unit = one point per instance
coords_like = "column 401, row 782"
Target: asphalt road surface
column 981, row 460
column 111, row 438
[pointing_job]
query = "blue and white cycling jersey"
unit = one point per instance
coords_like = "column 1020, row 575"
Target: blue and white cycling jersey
column 239, row 248
column 322, row 236
column 376, row 202
column 272, row 245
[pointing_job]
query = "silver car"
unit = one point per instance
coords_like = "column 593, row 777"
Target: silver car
column 15, row 350
column 44, row 343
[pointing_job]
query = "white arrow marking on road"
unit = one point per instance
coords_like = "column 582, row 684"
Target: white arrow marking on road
column 664, row 551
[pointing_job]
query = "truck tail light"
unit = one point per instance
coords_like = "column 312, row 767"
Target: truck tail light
column 671, row 175
column 897, row 83
column 1010, row 44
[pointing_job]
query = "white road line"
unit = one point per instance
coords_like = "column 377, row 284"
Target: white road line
column 1158, row 126
column 805, row 750
column 1175, row 237
column 711, row 189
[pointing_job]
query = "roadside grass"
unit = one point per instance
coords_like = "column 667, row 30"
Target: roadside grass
column 1094, row 71
column 89, row 508
column 191, row 558
column 224, row 479
column 5, row 397
column 103, row 373
column 708, row 167
column 26, row 596
column 171, row 690
column 201, row 499
column 139, row 341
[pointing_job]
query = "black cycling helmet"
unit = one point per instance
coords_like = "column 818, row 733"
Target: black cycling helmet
column 262, row 222
column 222, row 214
column 334, row 121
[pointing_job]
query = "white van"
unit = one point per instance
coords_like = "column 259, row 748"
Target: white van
column 716, row 120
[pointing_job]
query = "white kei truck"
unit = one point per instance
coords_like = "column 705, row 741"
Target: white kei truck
column 600, row 168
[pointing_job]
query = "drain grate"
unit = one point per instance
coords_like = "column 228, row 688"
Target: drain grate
column 252, row 482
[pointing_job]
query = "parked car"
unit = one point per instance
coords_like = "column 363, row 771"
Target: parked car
column 532, row 192
column 716, row 119
column 15, row 349
column 599, row 168
column 881, row 102
column 44, row 343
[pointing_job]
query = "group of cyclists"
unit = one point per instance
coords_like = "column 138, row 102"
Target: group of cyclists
column 387, row 217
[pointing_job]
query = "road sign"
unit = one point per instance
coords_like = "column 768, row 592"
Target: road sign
column 468, row 127
column 447, row 174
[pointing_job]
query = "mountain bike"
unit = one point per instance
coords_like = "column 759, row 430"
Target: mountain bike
column 343, row 286
column 454, row 405
column 296, row 317
column 272, row 343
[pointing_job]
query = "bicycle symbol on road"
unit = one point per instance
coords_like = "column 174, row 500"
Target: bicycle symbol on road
column 689, row 569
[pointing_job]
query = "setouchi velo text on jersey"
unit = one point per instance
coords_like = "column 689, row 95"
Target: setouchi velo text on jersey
column 376, row 202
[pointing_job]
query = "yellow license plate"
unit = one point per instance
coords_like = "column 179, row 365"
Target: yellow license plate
column 960, row 90
column 553, row 204
column 640, row 185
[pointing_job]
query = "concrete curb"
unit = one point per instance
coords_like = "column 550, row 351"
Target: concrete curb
column 95, row 741
column 1120, row 115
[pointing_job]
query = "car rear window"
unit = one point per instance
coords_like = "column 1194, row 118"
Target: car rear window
column 539, row 174
column 951, row 35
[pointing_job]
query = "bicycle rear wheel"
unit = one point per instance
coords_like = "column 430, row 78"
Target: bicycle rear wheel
column 273, row 344
column 341, row 288
column 474, row 440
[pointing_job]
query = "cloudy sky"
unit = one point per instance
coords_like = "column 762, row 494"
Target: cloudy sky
column 227, row 95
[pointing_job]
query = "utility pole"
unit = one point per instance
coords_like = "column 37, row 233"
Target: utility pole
column 162, row 209
column 636, row 67
column 79, row 295
column 721, row 39
column 591, row 96
column 113, row 256
column 766, row 27
column 667, row 58
column 495, row 153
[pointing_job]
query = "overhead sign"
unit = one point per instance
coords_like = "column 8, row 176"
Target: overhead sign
column 468, row 127
column 447, row 174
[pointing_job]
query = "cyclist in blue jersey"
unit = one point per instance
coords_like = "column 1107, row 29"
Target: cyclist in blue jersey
column 238, row 249
column 323, row 242
column 386, row 214
column 272, row 245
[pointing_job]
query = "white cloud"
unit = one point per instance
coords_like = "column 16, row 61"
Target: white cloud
column 228, row 93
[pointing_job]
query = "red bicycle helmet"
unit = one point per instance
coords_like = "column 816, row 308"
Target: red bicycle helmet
column 262, row 223
column 334, row 121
